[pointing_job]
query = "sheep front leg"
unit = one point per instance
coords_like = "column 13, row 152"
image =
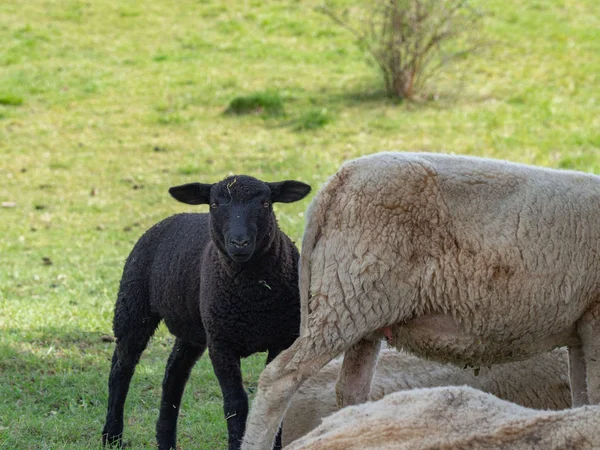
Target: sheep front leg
column 179, row 366
column 354, row 381
column 226, row 365
column 276, row 386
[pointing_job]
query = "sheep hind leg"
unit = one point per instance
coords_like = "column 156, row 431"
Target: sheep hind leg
column 588, row 329
column 131, row 342
column 271, row 356
column 577, row 376
column 278, row 383
column 354, row 381
column 182, row 359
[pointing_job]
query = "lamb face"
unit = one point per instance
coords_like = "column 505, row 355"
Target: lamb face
column 242, row 221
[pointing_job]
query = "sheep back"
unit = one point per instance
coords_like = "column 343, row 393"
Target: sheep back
column 540, row 382
column 162, row 276
column 453, row 418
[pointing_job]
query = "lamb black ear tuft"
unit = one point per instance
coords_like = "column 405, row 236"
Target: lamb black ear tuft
column 288, row 191
column 192, row 193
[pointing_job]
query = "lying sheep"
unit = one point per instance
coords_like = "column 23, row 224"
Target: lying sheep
column 227, row 280
column 464, row 260
column 540, row 382
column 453, row 418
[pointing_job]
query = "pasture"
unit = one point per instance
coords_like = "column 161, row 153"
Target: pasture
column 105, row 105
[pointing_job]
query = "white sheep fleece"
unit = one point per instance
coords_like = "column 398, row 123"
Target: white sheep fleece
column 464, row 260
column 540, row 382
column 453, row 418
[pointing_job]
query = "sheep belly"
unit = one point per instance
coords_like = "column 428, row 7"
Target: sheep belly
column 440, row 337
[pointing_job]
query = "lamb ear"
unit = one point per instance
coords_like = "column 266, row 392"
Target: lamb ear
column 192, row 193
column 288, row 191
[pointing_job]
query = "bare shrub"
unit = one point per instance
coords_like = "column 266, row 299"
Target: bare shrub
column 412, row 40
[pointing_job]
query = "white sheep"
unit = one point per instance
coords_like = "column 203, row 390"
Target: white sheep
column 465, row 260
column 453, row 418
column 540, row 382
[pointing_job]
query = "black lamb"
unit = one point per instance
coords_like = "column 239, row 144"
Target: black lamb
column 226, row 280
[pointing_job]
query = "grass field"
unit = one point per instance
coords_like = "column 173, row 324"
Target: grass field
column 104, row 105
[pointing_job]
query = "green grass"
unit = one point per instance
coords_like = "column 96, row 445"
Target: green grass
column 11, row 100
column 267, row 103
column 313, row 119
column 90, row 90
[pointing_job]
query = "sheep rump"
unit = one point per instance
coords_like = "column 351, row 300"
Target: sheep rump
column 540, row 382
column 474, row 249
column 453, row 418
column 458, row 259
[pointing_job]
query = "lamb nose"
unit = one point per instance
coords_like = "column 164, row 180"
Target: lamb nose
column 239, row 242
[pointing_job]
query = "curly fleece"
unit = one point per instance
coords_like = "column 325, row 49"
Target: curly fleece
column 453, row 418
column 460, row 259
column 540, row 382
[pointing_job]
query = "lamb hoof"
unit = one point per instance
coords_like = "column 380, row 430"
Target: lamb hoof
column 114, row 441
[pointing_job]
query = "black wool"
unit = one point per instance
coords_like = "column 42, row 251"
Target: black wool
column 225, row 280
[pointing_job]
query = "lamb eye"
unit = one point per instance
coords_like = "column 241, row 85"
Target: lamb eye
column 266, row 204
column 213, row 205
